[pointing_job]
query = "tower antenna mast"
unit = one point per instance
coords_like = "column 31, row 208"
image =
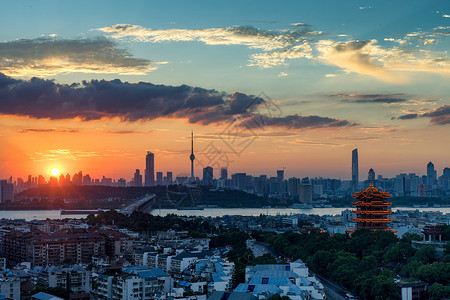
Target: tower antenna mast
column 192, row 157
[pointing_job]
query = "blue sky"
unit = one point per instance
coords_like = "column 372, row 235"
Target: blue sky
column 344, row 74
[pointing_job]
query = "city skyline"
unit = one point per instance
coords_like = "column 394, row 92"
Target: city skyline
column 222, row 173
column 92, row 86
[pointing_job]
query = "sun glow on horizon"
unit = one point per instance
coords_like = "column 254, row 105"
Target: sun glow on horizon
column 55, row 171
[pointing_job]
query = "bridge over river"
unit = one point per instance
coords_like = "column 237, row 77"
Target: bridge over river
column 144, row 204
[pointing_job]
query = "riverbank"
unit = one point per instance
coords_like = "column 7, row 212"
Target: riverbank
column 207, row 212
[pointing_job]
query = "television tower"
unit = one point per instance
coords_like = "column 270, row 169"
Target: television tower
column 192, row 157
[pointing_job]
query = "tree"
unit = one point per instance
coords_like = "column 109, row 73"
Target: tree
column 438, row 291
column 368, row 263
column 409, row 237
column 410, row 270
column 320, row 260
column 398, row 253
column 426, row 254
column 447, row 248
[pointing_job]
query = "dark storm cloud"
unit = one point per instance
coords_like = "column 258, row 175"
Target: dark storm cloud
column 438, row 116
column 373, row 98
column 409, row 117
column 295, row 122
column 99, row 99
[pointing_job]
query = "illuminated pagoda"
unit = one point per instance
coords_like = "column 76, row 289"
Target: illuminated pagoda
column 372, row 209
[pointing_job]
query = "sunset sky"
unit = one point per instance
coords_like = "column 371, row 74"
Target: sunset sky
column 264, row 85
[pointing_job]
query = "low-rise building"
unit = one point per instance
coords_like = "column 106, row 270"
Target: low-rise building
column 133, row 283
column 291, row 280
column 74, row 278
column 9, row 285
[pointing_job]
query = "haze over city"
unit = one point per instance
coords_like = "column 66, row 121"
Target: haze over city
column 93, row 86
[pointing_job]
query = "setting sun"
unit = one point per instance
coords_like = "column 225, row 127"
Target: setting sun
column 55, row 171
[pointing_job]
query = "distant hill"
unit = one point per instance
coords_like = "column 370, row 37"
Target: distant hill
column 174, row 196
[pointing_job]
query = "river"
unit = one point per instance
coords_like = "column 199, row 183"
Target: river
column 29, row 215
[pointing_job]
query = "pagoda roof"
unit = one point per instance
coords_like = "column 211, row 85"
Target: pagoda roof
column 371, row 193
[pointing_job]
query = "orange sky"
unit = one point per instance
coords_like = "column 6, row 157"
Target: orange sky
column 115, row 149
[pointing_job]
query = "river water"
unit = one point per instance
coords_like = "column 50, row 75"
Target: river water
column 29, row 215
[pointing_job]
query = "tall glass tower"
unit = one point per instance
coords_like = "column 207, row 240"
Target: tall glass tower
column 150, row 169
column 355, row 175
column 431, row 174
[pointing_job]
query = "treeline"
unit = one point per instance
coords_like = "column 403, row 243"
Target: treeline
column 173, row 196
column 146, row 223
column 367, row 262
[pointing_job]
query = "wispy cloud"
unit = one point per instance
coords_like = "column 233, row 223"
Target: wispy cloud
column 385, row 64
column 63, row 154
column 49, row 130
column 143, row 101
column 50, row 56
column 421, row 37
column 277, row 46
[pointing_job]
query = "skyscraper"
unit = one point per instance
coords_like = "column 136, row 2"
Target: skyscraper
column 6, row 191
column 355, row 175
column 192, row 157
column 224, row 173
column 150, row 169
column 305, row 191
column 294, row 187
column 208, row 176
column 169, row 179
column 431, row 174
column 280, row 175
column 137, row 178
column 159, row 178
column 371, row 176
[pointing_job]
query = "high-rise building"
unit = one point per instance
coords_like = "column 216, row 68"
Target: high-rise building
column 224, row 173
column 137, row 179
column 294, row 187
column 446, row 172
column 431, row 174
column 169, row 178
column 159, row 178
column 239, row 181
column 87, row 179
column 6, row 191
column 208, row 176
column 150, row 169
column 280, row 175
column 355, row 168
column 192, row 157
column 121, row 182
column 77, row 178
column 305, row 191
column 371, row 176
